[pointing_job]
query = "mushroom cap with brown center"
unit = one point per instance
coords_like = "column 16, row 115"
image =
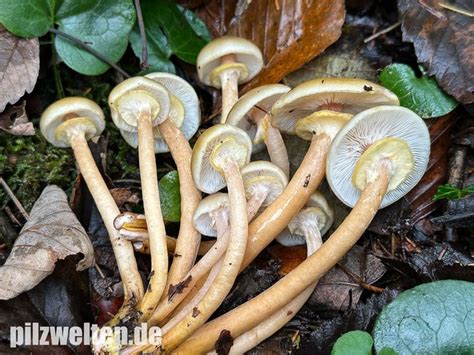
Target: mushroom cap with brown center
column 246, row 54
column 68, row 116
column 218, row 145
column 336, row 94
column 402, row 132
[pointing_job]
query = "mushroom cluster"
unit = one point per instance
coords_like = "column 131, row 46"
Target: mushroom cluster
column 370, row 150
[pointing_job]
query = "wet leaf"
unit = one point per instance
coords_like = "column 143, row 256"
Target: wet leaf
column 421, row 95
column 355, row 342
column 19, row 66
column 443, row 43
column 14, row 120
column 52, row 233
column 451, row 192
column 170, row 197
column 435, row 318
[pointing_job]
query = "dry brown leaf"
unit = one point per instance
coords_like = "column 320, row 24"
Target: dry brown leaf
column 443, row 42
column 14, row 120
column 52, row 233
column 19, row 66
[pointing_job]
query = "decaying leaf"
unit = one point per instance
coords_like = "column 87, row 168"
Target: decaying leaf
column 52, row 233
column 443, row 43
column 19, row 66
column 14, row 120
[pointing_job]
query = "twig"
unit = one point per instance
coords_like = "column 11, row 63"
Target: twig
column 141, row 26
column 359, row 280
column 89, row 49
column 12, row 217
column 385, row 30
column 99, row 270
column 457, row 9
column 14, row 199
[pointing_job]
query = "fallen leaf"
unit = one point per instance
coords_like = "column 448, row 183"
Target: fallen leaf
column 443, row 43
column 14, row 120
column 52, row 233
column 217, row 15
column 19, row 66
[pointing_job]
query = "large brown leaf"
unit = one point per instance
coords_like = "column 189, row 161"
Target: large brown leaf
column 19, row 66
column 52, row 233
column 443, row 43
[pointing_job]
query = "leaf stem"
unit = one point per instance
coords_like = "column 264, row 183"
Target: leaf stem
column 56, row 74
column 89, row 49
column 141, row 26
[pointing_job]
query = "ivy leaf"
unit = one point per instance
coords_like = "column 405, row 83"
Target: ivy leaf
column 196, row 23
column 170, row 197
column 432, row 318
column 355, row 342
column 165, row 17
column 450, row 192
column 421, row 95
column 105, row 27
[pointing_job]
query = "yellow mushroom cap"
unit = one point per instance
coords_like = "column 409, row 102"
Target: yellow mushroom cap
column 263, row 176
column 217, row 144
column 71, row 113
column 136, row 96
column 325, row 121
column 245, row 52
column 366, row 129
column 203, row 218
column 347, row 95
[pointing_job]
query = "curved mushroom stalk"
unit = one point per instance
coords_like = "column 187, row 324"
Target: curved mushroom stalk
column 137, row 104
column 70, row 122
column 226, row 62
column 381, row 171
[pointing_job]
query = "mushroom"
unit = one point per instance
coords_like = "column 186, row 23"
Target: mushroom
column 226, row 62
column 70, row 122
column 389, row 150
column 307, row 226
column 321, row 213
column 338, row 98
column 136, row 105
column 263, row 182
column 250, row 113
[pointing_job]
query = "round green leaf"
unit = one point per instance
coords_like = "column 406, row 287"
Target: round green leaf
column 105, row 27
column 433, row 318
column 170, row 197
column 421, row 95
column 355, row 342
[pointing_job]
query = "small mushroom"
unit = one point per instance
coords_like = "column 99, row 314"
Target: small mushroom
column 307, row 227
column 380, row 170
column 338, row 99
column 226, row 62
column 137, row 105
column 70, row 122
column 316, row 211
column 251, row 113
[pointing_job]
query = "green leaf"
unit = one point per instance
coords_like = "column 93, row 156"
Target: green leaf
column 450, row 192
column 196, row 23
column 432, row 318
column 421, row 95
column 158, row 49
column 182, row 39
column 105, row 27
column 170, row 197
column 355, row 342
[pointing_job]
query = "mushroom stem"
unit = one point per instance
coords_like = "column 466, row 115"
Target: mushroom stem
column 276, row 149
column 251, row 338
column 203, row 266
column 123, row 250
column 187, row 243
column 265, row 304
column 230, row 266
column 230, row 86
column 154, row 218
column 277, row 216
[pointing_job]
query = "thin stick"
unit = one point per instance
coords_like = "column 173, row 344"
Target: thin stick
column 91, row 50
column 17, row 203
column 141, row 26
column 457, row 9
column 385, row 30
column 360, row 281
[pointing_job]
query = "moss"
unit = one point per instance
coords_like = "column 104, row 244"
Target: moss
column 28, row 164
